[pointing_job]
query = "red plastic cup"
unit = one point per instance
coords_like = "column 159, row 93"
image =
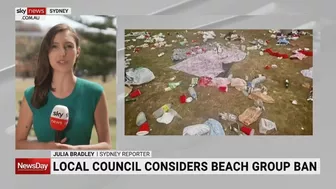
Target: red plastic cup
column 247, row 130
column 267, row 67
column 135, row 93
column 143, row 129
column 222, row 89
column 183, row 99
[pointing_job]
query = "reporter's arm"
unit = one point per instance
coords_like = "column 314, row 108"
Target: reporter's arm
column 23, row 127
column 102, row 127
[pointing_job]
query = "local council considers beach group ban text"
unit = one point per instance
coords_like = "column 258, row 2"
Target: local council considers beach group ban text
column 182, row 165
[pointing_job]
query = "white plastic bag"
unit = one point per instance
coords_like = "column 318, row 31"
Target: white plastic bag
column 196, row 130
column 266, row 125
column 139, row 76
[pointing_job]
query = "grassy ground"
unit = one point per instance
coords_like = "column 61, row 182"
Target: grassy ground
column 110, row 91
column 290, row 119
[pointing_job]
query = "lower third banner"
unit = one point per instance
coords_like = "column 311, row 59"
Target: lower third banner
column 158, row 166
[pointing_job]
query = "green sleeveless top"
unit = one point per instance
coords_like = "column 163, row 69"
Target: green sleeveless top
column 81, row 104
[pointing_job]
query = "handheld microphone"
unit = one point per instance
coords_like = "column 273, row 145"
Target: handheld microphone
column 59, row 120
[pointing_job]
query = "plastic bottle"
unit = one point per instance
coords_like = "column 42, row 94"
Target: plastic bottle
column 258, row 80
column 192, row 92
column 159, row 112
column 228, row 117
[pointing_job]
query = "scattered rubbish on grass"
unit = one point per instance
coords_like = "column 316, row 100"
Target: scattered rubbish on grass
column 282, row 41
column 172, row 78
column 138, row 76
column 266, row 125
column 308, row 72
column 166, row 118
column 192, row 93
column 196, row 130
column 172, row 85
column 216, row 128
column 228, row 117
column 202, row 61
column 189, row 99
column 310, row 98
column 194, row 81
column 143, row 129
column 140, row 119
column 250, row 115
column 159, row 112
column 183, row 99
column 255, row 95
column 247, row 130
column 135, row 93
column 208, row 35
column 286, row 83
column 276, row 54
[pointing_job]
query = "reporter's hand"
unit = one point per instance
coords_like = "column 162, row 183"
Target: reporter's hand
column 65, row 146
column 54, row 145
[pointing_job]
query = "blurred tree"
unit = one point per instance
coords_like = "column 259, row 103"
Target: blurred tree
column 98, row 49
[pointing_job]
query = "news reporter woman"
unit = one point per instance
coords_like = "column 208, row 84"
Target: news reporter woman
column 56, row 84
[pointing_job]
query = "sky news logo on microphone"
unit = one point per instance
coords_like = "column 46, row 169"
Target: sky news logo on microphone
column 32, row 166
column 59, row 117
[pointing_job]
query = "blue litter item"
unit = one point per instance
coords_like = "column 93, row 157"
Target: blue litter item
column 283, row 41
column 216, row 128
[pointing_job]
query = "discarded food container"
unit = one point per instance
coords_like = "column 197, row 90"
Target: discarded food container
column 247, row 130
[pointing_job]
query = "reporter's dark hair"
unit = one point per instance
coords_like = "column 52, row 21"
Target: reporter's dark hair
column 44, row 71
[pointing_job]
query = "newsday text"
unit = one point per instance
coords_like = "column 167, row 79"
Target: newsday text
column 140, row 163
